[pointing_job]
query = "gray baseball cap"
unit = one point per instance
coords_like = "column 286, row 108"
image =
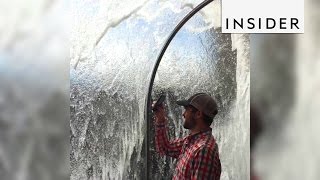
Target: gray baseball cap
column 203, row 102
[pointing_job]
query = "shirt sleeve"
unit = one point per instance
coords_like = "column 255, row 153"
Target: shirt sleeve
column 163, row 145
column 206, row 164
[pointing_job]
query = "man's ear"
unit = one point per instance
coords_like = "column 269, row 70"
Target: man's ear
column 199, row 114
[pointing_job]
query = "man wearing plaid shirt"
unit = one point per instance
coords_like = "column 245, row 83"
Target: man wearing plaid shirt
column 197, row 154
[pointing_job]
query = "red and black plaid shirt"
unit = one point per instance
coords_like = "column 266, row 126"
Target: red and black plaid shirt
column 198, row 154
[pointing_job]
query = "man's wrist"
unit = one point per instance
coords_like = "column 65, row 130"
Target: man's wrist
column 160, row 125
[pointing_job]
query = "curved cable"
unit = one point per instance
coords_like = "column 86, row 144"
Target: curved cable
column 153, row 74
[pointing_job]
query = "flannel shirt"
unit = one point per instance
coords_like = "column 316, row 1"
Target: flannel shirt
column 197, row 155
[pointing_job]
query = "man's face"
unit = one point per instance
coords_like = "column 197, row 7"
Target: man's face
column 189, row 118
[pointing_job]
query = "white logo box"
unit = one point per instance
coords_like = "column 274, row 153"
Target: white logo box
column 262, row 16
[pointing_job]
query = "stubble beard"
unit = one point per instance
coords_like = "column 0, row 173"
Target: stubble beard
column 189, row 124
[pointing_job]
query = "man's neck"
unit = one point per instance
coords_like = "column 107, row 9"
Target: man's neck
column 199, row 129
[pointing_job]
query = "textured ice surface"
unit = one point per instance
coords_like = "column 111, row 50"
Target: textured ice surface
column 114, row 46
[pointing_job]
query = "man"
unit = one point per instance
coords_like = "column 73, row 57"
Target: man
column 197, row 153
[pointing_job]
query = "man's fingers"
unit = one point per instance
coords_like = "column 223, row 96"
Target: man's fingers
column 153, row 103
column 158, row 109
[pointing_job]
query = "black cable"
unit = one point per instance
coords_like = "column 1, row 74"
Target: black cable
column 153, row 74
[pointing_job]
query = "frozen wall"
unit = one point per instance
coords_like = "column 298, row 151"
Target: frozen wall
column 114, row 46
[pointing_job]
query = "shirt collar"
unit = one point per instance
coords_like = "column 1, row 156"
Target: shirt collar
column 200, row 134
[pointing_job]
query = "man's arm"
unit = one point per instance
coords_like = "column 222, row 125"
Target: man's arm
column 163, row 145
column 206, row 164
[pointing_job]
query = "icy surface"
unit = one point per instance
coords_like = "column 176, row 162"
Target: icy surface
column 114, row 46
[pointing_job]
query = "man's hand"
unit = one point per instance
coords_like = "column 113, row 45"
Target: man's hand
column 159, row 113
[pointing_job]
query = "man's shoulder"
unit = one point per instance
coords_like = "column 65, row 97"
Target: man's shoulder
column 208, row 145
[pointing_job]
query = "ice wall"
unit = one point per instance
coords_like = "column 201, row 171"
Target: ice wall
column 114, row 45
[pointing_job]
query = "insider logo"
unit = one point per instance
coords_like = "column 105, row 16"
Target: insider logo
column 256, row 16
column 261, row 23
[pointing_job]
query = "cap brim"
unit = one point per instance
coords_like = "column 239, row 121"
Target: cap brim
column 183, row 103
